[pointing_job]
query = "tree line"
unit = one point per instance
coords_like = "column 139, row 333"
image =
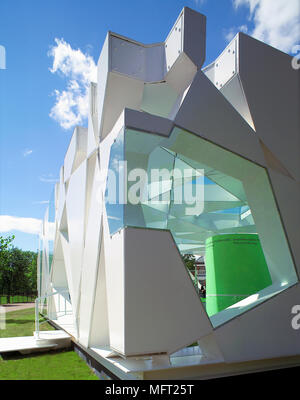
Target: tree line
column 18, row 269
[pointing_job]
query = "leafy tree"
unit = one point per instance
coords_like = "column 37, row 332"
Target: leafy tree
column 189, row 260
column 17, row 269
column 5, row 244
column 31, row 272
column 5, row 266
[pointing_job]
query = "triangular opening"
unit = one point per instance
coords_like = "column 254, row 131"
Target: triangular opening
column 91, row 170
column 66, row 187
column 59, row 276
column 233, row 91
column 63, row 227
column 99, row 334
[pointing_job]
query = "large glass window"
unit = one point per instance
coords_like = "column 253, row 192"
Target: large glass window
column 115, row 189
column 214, row 202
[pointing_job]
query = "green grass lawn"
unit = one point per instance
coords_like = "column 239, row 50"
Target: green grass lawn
column 17, row 299
column 63, row 365
column 22, row 323
column 60, row 365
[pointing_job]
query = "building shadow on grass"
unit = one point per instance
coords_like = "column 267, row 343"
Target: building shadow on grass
column 19, row 321
column 15, row 355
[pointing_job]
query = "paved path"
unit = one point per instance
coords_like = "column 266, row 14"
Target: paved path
column 17, row 306
column 26, row 344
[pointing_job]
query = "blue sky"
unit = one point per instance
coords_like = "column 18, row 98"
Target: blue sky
column 33, row 143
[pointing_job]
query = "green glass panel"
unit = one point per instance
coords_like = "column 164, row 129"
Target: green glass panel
column 228, row 259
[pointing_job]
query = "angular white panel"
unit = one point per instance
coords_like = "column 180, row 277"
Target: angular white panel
column 174, row 43
column 226, row 64
column 122, row 91
column 272, row 161
column 194, row 36
column 268, row 224
column 263, row 332
column 61, row 202
column 124, row 65
column 224, row 74
column 102, row 75
column 92, row 169
column 130, row 291
column 128, row 58
column 92, row 133
column 69, row 157
column 91, row 253
column 59, row 276
column 115, row 275
column 136, row 60
column 182, row 74
column 157, row 284
column 75, row 203
column 207, row 113
column 58, row 271
column 63, row 223
column 71, row 295
column 271, row 87
column 76, row 152
column 99, row 330
column 138, row 120
column 56, row 195
column 234, row 93
column 67, row 263
column 155, row 63
column 209, row 71
column 81, row 137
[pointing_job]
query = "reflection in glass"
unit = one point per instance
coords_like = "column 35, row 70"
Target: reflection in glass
column 114, row 193
column 232, row 196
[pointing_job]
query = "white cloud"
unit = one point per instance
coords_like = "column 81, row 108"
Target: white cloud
column 199, row 2
column 27, row 152
column 275, row 22
column 48, row 178
column 27, row 225
column 230, row 33
column 113, row 218
column 41, row 202
column 71, row 105
column 243, row 28
column 252, row 4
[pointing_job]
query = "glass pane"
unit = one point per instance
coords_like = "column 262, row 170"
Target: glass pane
column 114, row 193
column 216, row 204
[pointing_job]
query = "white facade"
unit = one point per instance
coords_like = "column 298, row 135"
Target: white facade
column 121, row 287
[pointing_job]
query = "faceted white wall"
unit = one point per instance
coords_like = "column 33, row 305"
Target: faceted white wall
column 130, row 291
